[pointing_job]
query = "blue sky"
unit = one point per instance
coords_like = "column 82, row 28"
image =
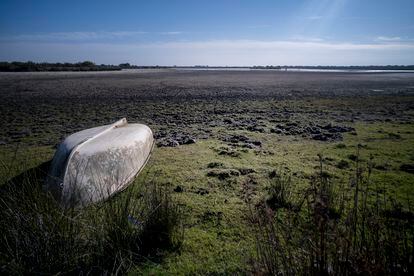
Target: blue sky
column 226, row 32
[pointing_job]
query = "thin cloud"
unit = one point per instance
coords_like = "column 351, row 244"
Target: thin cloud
column 306, row 38
column 171, row 33
column 83, row 36
column 216, row 52
column 279, row 45
column 75, row 36
column 315, row 17
column 388, row 38
column 263, row 26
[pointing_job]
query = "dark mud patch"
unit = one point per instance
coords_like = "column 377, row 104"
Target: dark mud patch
column 223, row 173
column 327, row 132
column 185, row 107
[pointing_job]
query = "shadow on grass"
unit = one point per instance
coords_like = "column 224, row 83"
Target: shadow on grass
column 38, row 237
column 35, row 175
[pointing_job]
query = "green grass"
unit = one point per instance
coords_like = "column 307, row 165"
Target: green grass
column 39, row 237
column 189, row 165
column 218, row 237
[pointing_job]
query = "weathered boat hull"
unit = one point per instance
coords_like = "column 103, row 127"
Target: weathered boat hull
column 93, row 164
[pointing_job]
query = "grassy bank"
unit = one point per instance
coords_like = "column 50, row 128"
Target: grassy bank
column 214, row 184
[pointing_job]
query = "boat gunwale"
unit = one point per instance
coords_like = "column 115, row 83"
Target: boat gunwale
column 122, row 121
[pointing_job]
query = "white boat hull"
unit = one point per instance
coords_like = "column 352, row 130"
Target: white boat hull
column 93, row 164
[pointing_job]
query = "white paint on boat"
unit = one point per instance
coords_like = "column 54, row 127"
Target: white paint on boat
column 91, row 165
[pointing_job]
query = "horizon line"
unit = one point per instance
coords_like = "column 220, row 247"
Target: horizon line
column 198, row 65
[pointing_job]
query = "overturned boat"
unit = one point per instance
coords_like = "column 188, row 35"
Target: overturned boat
column 92, row 164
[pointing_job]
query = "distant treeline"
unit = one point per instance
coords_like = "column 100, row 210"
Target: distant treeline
column 30, row 66
column 55, row 67
column 369, row 67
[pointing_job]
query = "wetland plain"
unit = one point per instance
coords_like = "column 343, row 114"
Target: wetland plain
column 221, row 137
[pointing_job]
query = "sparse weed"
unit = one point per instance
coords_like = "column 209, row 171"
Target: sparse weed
column 335, row 230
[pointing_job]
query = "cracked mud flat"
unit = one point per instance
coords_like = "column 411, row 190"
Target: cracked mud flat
column 185, row 106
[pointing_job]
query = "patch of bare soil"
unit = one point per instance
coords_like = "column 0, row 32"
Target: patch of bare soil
column 185, row 106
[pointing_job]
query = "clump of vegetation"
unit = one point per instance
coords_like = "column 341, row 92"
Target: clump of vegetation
column 335, row 230
column 223, row 173
column 340, row 146
column 246, row 171
column 393, row 135
column 38, row 237
column 353, row 157
column 228, row 151
column 409, row 168
column 213, row 165
column 343, row 164
column 280, row 191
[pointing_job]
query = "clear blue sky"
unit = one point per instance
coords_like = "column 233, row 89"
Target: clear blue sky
column 213, row 32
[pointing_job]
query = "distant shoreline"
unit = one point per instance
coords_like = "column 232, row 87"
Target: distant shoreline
column 88, row 66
